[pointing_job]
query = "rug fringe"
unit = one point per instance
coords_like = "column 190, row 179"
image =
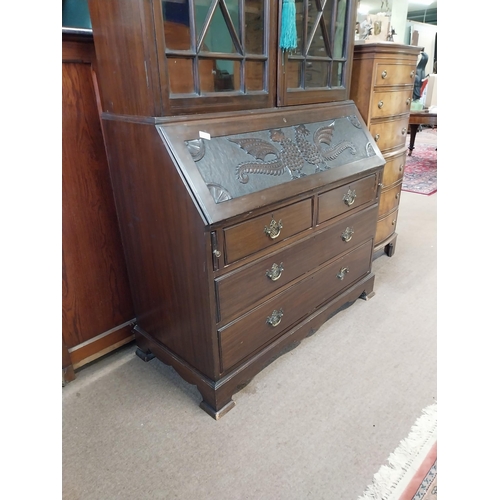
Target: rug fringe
column 422, row 435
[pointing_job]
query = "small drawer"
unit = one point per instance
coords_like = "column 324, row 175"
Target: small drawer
column 394, row 74
column 237, row 291
column 254, row 330
column 390, row 102
column 342, row 199
column 386, row 227
column 266, row 230
column 390, row 134
column 394, row 169
column 389, row 199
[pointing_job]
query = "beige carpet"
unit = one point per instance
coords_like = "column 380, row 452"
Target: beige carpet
column 316, row 424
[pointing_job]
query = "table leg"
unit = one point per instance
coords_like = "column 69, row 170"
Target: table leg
column 413, row 133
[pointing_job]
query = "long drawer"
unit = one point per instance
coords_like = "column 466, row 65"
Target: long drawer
column 347, row 197
column 394, row 74
column 390, row 134
column 237, row 291
column 390, row 102
column 266, row 230
column 272, row 318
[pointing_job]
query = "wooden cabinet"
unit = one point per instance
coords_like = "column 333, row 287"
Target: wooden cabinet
column 97, row 312
column 248, row 212
column 382, row 88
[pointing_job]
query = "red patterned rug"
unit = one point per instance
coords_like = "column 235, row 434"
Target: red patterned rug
column 421, row 170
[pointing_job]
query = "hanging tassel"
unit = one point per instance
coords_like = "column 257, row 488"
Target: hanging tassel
column 288, row 38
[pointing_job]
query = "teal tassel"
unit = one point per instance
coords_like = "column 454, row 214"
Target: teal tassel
column 288, row 38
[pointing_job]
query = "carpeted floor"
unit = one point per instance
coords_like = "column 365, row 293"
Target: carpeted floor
column 316, row 424
column 420, row 175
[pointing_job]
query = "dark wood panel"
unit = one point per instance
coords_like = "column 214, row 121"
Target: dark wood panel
column 167, row 245
column 96, row 292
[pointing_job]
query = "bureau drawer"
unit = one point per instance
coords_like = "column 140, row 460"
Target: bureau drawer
column 237, row 291
column 390, row 134
column 394, row 169
column 386, row 227
column 389, row 199
column 342, row 199
column 394, row 74
column 255, row 329
column 266, row 230
column 390, row 102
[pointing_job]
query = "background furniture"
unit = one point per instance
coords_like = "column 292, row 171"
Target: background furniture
column 97, row 312
column 418, row 118
column 382, row 88
column 245, row 181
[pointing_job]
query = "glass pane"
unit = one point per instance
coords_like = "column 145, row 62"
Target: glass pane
column 254, row 75
column 327, row 20
column 318, row 44
column 293, row 73
column 176, row 24
column 338, row 42
column 181, row 75
column 316, row 74
column 225, row 76
column 337, row 74
column 233, row 9
column 218, row 38
column 254, row 27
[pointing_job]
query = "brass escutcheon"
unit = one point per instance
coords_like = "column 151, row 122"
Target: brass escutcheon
column 347, row 234
column 274, row 229
column 341, row 274
column 349, row 197
column 275, row 273
column 275, row 318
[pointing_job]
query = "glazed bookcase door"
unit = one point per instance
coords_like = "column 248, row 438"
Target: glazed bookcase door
column 218, row 54
column 318, row 70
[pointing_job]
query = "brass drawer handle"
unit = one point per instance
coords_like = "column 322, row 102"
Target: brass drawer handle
column 275, row 318
column 397, row 196
column 380, row 104
column 274, row 229
column 394, row 222
column 217, row 253
column 347, row 234
column 401, row 167
column 412, row 74
column 377, row 137
column 404, row 130
column 384, row 74
column 341, row 274
column 349, row 197
column 408, row 101
column 275, row 273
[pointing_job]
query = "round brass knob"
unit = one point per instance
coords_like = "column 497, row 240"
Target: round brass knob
column 412, row 74
column 380, row 104
column 408, row 101
column 377, row 137
column 403, row 131
column 217, row 253
column 384, row 74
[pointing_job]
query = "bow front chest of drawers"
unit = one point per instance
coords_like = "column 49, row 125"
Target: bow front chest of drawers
column 383, row 76
column 245, row 181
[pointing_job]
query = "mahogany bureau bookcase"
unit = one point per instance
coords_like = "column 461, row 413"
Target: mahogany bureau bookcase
column 246, row 183
column 383, row 75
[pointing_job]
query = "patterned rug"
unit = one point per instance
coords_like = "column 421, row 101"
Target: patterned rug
column 411, row 470
column 421, row 170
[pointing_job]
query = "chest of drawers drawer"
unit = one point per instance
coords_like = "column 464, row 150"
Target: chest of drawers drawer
column 344, row 198
column 386, row 226
column 394, row 169
column 253, row 330
column 390, row 134
column 387, row 73
column 239, row 290
column 390, row 102
column 266, row 230
column 389, row 199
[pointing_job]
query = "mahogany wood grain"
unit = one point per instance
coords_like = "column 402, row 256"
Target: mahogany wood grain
column 96, row 292
column 394, row 168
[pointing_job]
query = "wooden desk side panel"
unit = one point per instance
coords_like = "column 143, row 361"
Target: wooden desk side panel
column 96, row 292
column 166, row 245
